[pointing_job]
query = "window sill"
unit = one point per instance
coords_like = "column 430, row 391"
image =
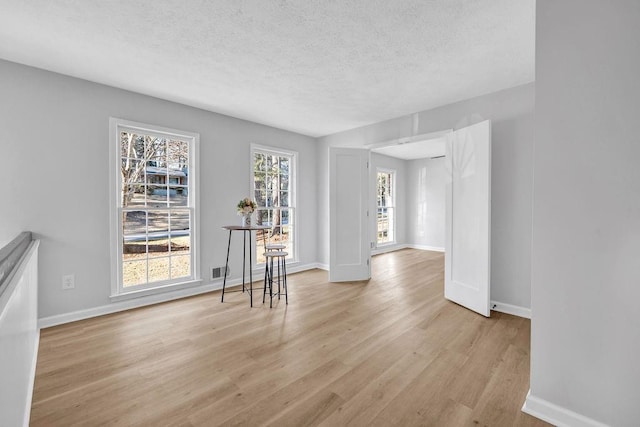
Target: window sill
column 154, row 291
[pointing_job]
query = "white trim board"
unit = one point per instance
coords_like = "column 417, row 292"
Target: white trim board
column 59, row 319
column 399, row 246
column 388, row 248
column 556, row 415
column 426, row 248
column 515, row 310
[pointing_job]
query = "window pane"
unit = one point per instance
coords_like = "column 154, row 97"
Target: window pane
column 180, row 232
column 158, row 269
column 158, row 234
column 269, row 200
column 178, row 196
column 180, row 266
column 284, row 198
column 132, row 170
column 383, row 225
column 134, row 235
column 260, row 197
column 156, row 154
column 259, row 160
column 270, row 218
column 180, row 220
column 178, row 156
column 284, row 183
column 132, row 176
column 259, row 181
column 276, row 218
column 134, row 273
column 391, row 225
column 156, row 196
column 285, row 217
column 133, row 195
column 131, row 145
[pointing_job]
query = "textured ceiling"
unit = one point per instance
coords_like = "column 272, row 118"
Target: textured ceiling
column 310, row 66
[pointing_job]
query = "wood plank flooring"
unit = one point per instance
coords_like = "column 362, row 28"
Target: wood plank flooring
column 391, row 351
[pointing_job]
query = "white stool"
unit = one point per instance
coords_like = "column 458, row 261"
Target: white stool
column 275, row 247
column 281, row 262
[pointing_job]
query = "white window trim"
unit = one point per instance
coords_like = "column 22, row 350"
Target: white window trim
column 292, row 196
column 394, row 207
column 118, row 292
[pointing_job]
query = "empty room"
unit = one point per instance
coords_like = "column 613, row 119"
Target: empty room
column 388, row 213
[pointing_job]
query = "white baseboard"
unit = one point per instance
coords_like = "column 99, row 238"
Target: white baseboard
column 322, row 266
column 556, row 415
column 32, row 380
column 47, row 322
column 388, row 248
column 511, row 309
column 426, row 248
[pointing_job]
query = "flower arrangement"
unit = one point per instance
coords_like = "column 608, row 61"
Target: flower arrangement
column 246, row 206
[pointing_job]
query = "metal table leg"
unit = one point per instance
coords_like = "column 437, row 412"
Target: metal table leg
column 226, row 268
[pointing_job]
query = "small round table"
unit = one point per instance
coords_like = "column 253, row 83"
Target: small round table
column 246, row 236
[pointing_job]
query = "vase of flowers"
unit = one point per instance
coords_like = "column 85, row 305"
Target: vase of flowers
column 246, row 207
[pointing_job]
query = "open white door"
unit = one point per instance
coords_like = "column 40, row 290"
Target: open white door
column 349, row 247
column 468, row 218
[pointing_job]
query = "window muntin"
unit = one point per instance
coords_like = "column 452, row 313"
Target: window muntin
column 155, row 207
column 385, row 202
column 273, row 178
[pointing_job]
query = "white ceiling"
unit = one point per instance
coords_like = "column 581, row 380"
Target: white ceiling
column 314, row 67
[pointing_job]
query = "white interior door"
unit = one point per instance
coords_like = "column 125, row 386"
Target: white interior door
column 468, row 218
column 349, row 257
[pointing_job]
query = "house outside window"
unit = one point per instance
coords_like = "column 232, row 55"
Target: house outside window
column 154, row 214
column 273, row 187
column 385, row 202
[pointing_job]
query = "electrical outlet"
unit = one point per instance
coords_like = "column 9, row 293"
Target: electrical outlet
column 68, row 281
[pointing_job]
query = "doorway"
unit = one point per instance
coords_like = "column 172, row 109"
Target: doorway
column 418, row 166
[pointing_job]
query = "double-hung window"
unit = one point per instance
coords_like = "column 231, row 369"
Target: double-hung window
column 385, row 197
column 154, row 206
column 273, row 180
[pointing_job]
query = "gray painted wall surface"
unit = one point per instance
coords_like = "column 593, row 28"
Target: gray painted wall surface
column 426, row 188
column 55, row 177
column 511, row 113
column 586, row 213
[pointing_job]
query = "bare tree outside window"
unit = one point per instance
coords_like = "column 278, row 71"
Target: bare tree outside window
column 155, row 216
column 272, row 177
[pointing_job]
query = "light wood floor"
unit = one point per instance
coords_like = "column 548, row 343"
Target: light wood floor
column 391, row 351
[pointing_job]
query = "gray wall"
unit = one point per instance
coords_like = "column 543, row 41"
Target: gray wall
column 386, row 162
column 586, row 215
column 426, row 188
column 54, row 175
column 511, row 113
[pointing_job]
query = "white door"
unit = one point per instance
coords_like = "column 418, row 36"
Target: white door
column 349, row 247
column 468, row 218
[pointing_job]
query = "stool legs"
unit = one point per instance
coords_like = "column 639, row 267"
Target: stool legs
column 266, row 274
column 271, row 285
column 284, row 272
column 269, row 273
